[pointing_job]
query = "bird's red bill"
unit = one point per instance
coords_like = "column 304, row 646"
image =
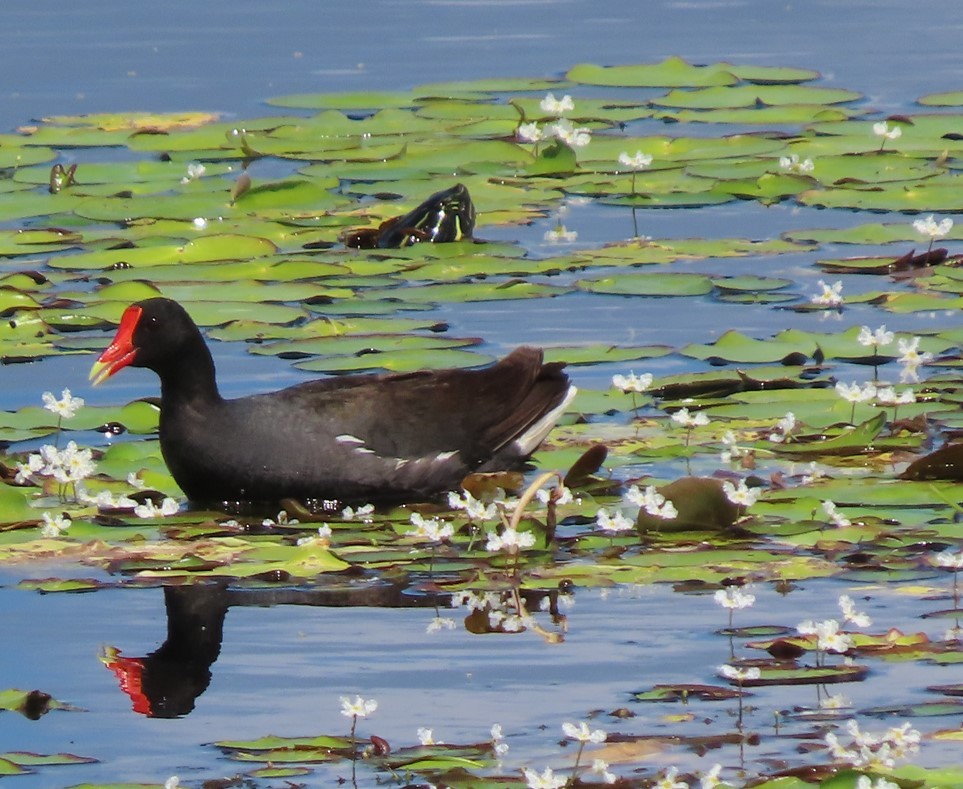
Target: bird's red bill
column 121, row 351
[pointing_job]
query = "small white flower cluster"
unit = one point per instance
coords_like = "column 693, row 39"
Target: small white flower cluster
column 498, row 606
column 65, row 407
column 950, row 559
column 911, row 359
column 730, row 449
column 740, row 675
column 854, row 393
column 475, row 509
column 670, row 779
column 741, row 494
column 613, row 523
column 653, row 502
column 54, row 525
column 632, row 382
column 359, row 708
column 558, row 495
column 829, row 295
column 582, row 733
column 850, row 614
column 793, row 164
column 882, row 129
column 887, row 395
column 148, row 509
column 734, row 598
column 544, row 780
column 871, row 751
column 829, row 638
column 930, row 228
column 430, row 529
column 362, row 513
column 562, row 129
column 638, row 161
column 783, row 429
column 510, row 540
column 322, row 538
column 426, row 736
column 835, row 517
column 686, row 419
column 560, row 235
column 877, row 339
column 194, row 171
column 499, row 746
column 282, row 519
column 67, row 466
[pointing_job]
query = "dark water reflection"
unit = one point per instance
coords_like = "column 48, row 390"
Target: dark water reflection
column 282, row 669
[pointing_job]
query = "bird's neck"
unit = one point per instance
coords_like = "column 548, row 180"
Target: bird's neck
column 190, row 378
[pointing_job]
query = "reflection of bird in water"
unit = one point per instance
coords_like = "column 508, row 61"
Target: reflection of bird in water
column 166, row 682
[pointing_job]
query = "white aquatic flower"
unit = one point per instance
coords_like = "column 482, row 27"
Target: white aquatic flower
column 473, row 508
column 653, row 502
column 683, row 417
column 54, row 525
column 439, row 623
column 561, row 235
column 431, row 529
column 931, row 229
column 733, row 598
column 739, row 674
column 850, row 614
column 601, row 768
column 632, row 382
column 135, row 482
column 911, row 359
column 854, row 393
column 829, row 638
column 888, row 396
column 199, row 222
column 829, row 295
column 743, row 495
column 612, row 523
column 882, row 129
column 950, row 559
column 638, row 161
column 530, row 132
column 65, row 407
column 510, row 540
column 426, row 736
column 359, row 708
column 25, row 471
column 546, row 780
column 194, row 170
column 838, row 519
column 362, row 513
column 567, row 132
column 731, row 450
column 835, row 701
column 148, row 509
column 556, row 107
column 793, row 164
column 559, row 494
column 668, row 780
column 583, row 733
column 710, row 780
column 878, row 338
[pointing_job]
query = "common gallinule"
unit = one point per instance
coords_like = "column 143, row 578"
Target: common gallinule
column 358, row 438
